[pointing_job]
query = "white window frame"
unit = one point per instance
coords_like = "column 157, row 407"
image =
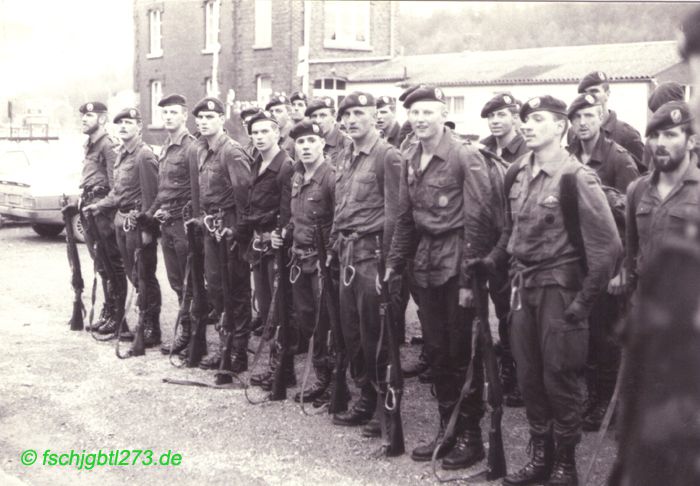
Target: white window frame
column 345, row 14
column 263, row 92
column 451, row 102
column 211, row 26
column 263, row 24
column 155, row 33
column 156, row 88
column 334, row 92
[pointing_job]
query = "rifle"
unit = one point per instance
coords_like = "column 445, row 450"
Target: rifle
column 481, row 337
column 69, row 212
column 197, row 347
column 285, row 356
column 223, row 375
column 138, row 347
column 392, row 428
column 340, row 394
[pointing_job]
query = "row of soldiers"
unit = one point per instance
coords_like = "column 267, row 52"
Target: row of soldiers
column 544, row 224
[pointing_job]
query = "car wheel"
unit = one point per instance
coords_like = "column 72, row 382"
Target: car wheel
column 47, row 230
column 78, row 229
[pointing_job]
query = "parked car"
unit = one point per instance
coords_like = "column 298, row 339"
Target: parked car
column 35, row 175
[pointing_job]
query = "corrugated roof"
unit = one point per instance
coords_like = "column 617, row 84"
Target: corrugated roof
column 621, row 62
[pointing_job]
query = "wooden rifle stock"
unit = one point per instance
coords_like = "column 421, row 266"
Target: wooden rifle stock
column 340, row 394
column 138, row 347
column 225, row 331
column 391, row 393
column 76, row 321
column 197, row 347
column 496, row 460
column 285, row 358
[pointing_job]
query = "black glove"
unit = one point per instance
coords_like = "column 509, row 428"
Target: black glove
column 576, row 312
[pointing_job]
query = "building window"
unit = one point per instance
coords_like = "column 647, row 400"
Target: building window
column 156, row 96
column 347, row 25
column 155, row 33
column 455, row 105
column 264, row 89
column 211, row 25
column 332, row 87
column 263, row 24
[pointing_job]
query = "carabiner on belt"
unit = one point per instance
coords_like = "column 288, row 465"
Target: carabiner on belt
column 294, row 272
column 209, row 223
column 257, row 245
column 515, row 299
column 129, row 223
column 348, row 274
column 162, row 216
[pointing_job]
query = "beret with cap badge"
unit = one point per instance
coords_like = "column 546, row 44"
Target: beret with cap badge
column 355, row 99
column 542, row 103
column 131, row 113
column 304, row 128
column 209, row 104
column 318, row 103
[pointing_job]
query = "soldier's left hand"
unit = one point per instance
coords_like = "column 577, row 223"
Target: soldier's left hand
column 276, row 239
column 618, row 285
column 225, row 232
column 91, row 208
column 466, row 298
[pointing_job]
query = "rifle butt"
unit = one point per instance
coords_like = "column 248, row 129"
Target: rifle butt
column 395, row 444
column 225, row 366
column 279, row 381
column 496, row 460
column 197, row 347
column 340, row 393
column 138, row 347
column 76, row 320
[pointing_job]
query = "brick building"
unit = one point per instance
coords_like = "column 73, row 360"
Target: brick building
column 244, row 50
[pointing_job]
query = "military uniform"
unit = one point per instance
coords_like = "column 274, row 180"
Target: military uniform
column 223, row 178
column 173, row 194
column 286, row 142
column 552, row 292
column 96, row 181
column 313, row 202
column 135, row 188
column 441, row 206
column 366, row 195
column 336, row 140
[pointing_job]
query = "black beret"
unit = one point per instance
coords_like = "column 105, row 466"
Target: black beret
column 424, row 93
column 173, row 99
column 356, row 98
column 318, row 103
column 665, row 92
column 298, row 96
column 592, row 79
column 408, row 91
column 689, row 41
column 582, row 101
column 278, row 99
column 669, row 115
column 209, row 104
column 262, row 115
column 246, row 112
column 303, row 128
column 542, row 103
column 383, row 101
column 93, row 107
column 498, row 102
column 450, row 124
column 132, row 113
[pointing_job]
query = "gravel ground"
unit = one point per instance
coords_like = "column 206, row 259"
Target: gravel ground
column 61, row 390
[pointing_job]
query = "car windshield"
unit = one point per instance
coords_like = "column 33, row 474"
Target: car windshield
column 14, row 167
column 46, row 167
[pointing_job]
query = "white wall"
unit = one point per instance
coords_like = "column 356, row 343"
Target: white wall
column 629, row 100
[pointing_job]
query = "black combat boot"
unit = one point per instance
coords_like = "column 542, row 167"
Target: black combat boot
column 256, row 326
column 323, row 379
column 593, row 417
column 564, row 470
column 182, row 340
column 361, row 412
column 417, row 368
column 151, row 331
column 213, row 359
column 467, row 451
column 290, row 378
column 539, row 468
column 239, row 356
column 373, row 428
column 425, row 452
column 104, row 316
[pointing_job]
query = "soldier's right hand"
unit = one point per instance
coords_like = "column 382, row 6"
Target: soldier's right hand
column 484, row 266
column 225, row 232
column 91, row 208
column 276, row 240
column 387, row 276
column 329, row 259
